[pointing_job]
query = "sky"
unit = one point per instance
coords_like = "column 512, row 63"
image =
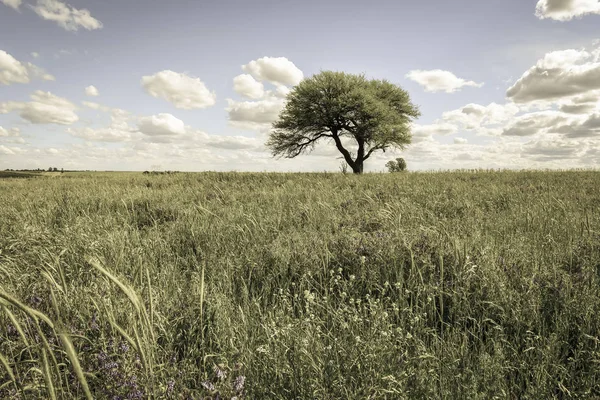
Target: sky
column 195, row 85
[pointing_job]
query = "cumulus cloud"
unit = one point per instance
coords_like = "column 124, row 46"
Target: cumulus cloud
column 276, row 70
column 459, row 140
column 95, row 106
column 12, row 3
column 91, row 91
column 45, row 108
column 438, row 80
column 183, row 91
column 558, row 75
column 161, row 124
column 247, row 86
column 586, row 128
column 534, row 123
column 440, row 128
column 549, row 149
column 12, row 132
column 6, row 151
column 66, row 16
column 566, row 10
column 475, row 116
column 255, row 112
column 14, row 71
column 201, row 139
column 119, row 129
column 583, row 104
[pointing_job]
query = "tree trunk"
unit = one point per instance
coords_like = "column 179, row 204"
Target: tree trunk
column 357, row 168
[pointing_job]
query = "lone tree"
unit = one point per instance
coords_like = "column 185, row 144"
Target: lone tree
column 374, row 114
column 397, row 165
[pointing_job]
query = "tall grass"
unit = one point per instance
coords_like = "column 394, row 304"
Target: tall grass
column 420, row 285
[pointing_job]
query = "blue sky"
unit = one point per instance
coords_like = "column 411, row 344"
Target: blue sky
column 500, row 83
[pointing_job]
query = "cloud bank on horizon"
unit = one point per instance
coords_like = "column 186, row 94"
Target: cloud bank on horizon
column 167, row 100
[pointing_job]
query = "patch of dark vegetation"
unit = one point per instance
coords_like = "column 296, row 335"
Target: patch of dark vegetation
column 18, row 174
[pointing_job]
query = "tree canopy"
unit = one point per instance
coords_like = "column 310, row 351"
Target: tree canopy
column 375, row 114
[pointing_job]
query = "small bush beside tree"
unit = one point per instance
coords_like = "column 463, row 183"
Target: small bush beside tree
column 397, row 165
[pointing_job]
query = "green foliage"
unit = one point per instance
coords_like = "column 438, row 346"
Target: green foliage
column 374, row 114
column 411, row 286
column 397, row 165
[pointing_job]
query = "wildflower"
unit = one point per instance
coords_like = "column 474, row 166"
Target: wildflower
column 102, row 356
column 221, row 374
column 238, row 384
column 36, row 301
column 170, row 387
column 124, row 347
column 135, row 395
column 94, row 324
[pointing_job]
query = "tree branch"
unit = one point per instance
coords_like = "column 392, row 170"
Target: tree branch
column 340, row 147
column 372, row 149
column 298, row 148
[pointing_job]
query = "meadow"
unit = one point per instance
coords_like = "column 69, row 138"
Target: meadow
column 449, row 285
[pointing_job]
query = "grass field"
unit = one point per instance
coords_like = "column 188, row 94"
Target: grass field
column 301, row 286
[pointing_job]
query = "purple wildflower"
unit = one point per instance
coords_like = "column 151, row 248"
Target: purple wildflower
column 238, row 384
column 124, row 347
column 170, row 387
column 220, row 373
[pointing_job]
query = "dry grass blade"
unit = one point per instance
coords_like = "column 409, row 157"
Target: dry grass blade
column 129, row 292
column 27, row 310
column 72, row 354
column 47, row 375
column 7, row 367
column 16, row 324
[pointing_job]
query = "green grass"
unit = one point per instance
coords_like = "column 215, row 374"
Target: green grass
column 300, row 286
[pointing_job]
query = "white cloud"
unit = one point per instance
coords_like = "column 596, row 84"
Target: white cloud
column 109, row 134
column 35, row 54
column 475, row 116
column 589, row 127
column 425, row 132
column 559, row 74
column 459, row 140
column 276, row 70
column 202, row 139
column 12, row 3
column 6, row 151
column 118, row 130
column 247, row 86
column 66, row 16
column 45, row 108
column 91, row 91
column 12, row 132
column 14, row 71
column 183, row 91
column 438, row 80
column 550, row 149
column 255, row 112
column 161, row 124
column 566, row 10
column 535, row 123
column 95, row 106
